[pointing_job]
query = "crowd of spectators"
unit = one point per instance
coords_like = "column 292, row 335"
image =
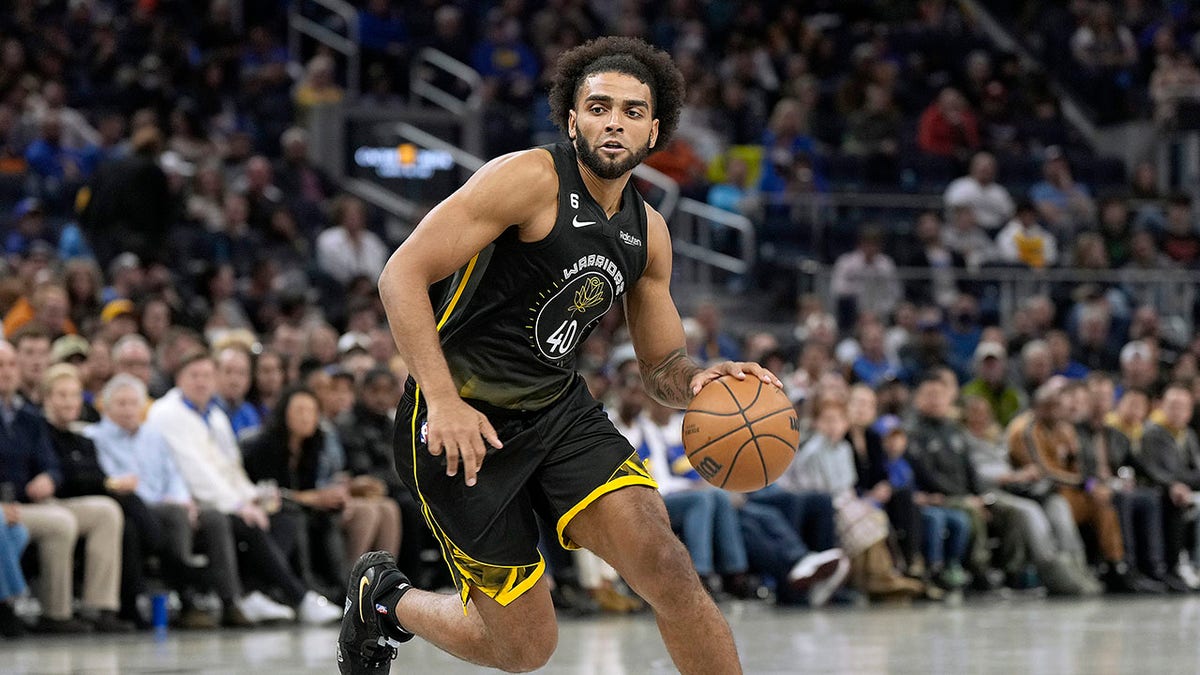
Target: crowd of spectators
column 196, row 382
column 1126, row 60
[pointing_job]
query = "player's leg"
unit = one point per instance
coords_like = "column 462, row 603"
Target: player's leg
column 516, row 638
column 629, row 529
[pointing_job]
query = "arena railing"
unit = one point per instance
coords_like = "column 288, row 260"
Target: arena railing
column 427, row 65
column 694, row 227
column 347, row 45
column 1170, row 291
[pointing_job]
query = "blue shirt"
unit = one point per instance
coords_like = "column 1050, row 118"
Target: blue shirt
column 144, row 454
column 872, row 373
column 1074, row 371
column 244, row 418
column 900, row 474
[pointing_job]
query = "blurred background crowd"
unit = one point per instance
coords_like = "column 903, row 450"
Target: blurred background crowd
column 197, row 382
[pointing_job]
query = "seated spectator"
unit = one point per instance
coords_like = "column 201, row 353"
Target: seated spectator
column 826, row 464
column 47, row 310
column 318, row 86
column 992, row 382
column 1140, row 367
column 349, row 249
column 731, row 193
column 874, row 484
column 298, row 178
column 59, row 170
column 55, row 525
column 873, row 365
column 1064, row 205
column 83, row 475
column 717, row 345
column 1145, row 259
column 13, row 539
column 966, row 239
column 1043, row 437
column 33, row 355
column 1180, row 241
column 206, row 452
column 1170, row 460
column 125, row 447
column 948, row 127
column 945, row 532
column 785, row 140
column 1175, row 80
column 233, row 384
column 1059, row 344
column 1025, row 241
column 1094, row 348
column 291, row 451
column 865, row 280
column 1036, row 522
column 873, row 131
column 943, row 471
column 1107, row 457
column 942, row 262
column 29, row 225
column 1104, row 50
column 990, row 201
column 270, row 378
column 1114, row 228
column 1037, row 366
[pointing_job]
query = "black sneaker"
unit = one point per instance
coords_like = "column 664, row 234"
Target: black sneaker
column 364, row 646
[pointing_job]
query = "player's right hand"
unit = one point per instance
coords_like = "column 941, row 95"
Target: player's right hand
column 463, row 433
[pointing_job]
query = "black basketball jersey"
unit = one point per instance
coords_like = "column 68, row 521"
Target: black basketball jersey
column 510, row 321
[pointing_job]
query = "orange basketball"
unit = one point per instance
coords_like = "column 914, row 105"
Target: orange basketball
column 740, row 434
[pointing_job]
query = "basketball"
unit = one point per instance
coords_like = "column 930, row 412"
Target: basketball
column 740, row 435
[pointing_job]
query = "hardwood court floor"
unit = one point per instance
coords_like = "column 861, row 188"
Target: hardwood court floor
column 1097, row 637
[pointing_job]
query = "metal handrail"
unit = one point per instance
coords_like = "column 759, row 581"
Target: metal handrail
column 422, row 88
column 347, row 45
column 692, row 231
column 468, row 110
column 1173, row 289
column 427, row 140
column 670, row 189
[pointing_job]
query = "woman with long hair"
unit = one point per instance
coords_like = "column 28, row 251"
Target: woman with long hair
column 270, row 376
column 82, row 278
column 289, row 451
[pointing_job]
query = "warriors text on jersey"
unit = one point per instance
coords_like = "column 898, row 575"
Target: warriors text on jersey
column 511, row 320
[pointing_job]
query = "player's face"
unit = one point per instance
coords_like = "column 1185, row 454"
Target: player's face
column 611, row 124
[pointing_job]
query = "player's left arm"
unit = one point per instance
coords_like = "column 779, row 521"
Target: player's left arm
column 668, row 373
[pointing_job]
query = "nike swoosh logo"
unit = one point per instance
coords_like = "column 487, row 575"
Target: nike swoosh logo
column 582, row 223
column 362, row 586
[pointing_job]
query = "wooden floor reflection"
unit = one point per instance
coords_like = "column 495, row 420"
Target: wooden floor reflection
column 1097, row 637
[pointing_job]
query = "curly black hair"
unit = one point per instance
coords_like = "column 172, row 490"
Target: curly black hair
column 631, row 56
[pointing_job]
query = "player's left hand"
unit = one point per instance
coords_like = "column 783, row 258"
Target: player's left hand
column 738, row 369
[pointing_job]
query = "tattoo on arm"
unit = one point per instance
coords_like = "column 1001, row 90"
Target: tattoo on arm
column 669, row 380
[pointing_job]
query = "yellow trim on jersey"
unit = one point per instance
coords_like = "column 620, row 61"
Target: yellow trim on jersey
column 514, row 586
column 462, row 285
column 638, row 477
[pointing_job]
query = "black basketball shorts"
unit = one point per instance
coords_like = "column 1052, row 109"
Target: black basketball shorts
column 555, row 462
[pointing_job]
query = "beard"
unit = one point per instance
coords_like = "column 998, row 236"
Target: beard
column 609, row 169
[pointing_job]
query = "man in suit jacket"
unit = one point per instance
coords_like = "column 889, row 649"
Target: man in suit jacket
column 1170, row 460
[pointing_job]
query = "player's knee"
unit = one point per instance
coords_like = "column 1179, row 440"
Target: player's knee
column 666, row 574
column 524, row 656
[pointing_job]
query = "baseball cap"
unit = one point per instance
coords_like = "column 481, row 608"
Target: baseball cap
column 68, row 346
column 889, row 424
column 27, row 206
column 352, row 341
column 990, row 350
column 1137, row 349
column 115, row 308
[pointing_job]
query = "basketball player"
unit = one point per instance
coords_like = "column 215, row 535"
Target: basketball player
column 496, row 427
